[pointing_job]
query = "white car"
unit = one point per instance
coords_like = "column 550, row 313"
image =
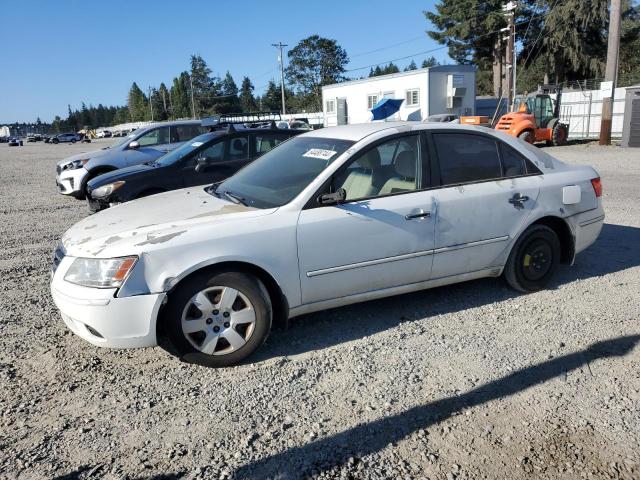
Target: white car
column 328, row 218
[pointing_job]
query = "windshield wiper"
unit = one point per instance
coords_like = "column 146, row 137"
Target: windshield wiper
column 236, row 198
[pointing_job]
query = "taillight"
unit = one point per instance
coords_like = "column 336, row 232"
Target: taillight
column 597, row 186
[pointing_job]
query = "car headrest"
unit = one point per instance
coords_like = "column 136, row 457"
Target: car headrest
column 406, row 164
column 370, row 160
column 238, row 144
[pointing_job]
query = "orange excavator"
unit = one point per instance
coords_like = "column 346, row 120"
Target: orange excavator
column 536, row 118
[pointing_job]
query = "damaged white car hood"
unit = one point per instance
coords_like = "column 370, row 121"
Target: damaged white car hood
column 144, row 224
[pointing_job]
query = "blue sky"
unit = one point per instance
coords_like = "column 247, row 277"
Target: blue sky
column 55, row 53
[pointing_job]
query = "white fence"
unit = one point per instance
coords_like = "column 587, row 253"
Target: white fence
column 583, row 111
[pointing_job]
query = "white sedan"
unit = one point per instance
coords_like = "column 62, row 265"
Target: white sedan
column 329, row 218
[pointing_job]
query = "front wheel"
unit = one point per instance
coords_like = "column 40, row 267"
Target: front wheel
column 55, row 140
column 217, row 320
column 533, row 259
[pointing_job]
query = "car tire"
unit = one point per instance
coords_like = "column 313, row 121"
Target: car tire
column 222, row 332
column 526, row 136
column 55, row 140
column 533, row 260
column 560, row 134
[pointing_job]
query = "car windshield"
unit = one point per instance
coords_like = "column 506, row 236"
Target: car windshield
column 184, row 150
column 281, row 174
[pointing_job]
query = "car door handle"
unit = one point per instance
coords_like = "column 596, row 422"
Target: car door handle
column 420, row 214
column 517, row 200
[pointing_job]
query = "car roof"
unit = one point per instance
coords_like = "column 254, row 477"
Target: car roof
column 357, row 132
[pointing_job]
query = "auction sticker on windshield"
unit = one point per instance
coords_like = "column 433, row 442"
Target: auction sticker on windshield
column 196, row 144
column 320, row 153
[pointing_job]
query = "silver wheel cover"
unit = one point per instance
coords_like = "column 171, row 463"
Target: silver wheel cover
column 218, row 320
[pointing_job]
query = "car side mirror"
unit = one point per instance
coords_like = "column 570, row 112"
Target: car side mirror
column 134, row 145
column 202, row 163
column 334, row 198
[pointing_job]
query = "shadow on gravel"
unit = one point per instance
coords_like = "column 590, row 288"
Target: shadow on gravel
column 365, row 439
column 617, row 249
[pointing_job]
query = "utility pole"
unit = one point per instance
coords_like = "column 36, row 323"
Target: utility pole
column 611, row 72
column 150, row 104
column 510, row 70
column 193, row 104
column 281, row 45
column 170, row 105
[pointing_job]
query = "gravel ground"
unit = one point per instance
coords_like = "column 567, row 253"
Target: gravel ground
column 467, row 381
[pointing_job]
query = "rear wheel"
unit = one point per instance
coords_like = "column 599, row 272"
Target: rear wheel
column 560, row 134
column 533, row 259
column 527, row 136
column 217, row 320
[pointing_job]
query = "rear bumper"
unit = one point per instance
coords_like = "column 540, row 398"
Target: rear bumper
column 587, row 227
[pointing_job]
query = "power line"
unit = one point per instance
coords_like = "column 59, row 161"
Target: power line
column 423, row 52
column 524, row 64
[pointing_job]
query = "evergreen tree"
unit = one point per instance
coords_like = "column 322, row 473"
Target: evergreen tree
column 316, row 61
column 247, row 100
column 228, row 101
column 272, row 99
column 429, row 62
column 181, row 97
column 163, row 98
column 137, row 103
column 205, row 87
column 411, row 66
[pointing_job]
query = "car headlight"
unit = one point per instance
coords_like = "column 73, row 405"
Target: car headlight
column 106, row 190
column 76, row 164
column 100, row 272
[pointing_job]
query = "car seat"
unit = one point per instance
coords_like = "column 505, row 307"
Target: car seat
column 359, row 183
column 405, row 178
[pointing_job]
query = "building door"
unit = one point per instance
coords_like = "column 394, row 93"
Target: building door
column 395, row 116
column 342, row 112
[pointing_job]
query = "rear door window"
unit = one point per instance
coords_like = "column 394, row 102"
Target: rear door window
column 239, row 148
column 466, row 158
column 513, row 164
column 263, row 142
column 157, row 136
column 183, row 133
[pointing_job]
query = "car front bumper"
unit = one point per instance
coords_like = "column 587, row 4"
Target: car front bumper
column 70, row 182
column 99, row 317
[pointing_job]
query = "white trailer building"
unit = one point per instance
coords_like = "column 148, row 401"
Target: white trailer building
column 426, row 91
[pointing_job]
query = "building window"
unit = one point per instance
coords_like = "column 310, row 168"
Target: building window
column 371, row 101
column 413, row 97
column 331, row 106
